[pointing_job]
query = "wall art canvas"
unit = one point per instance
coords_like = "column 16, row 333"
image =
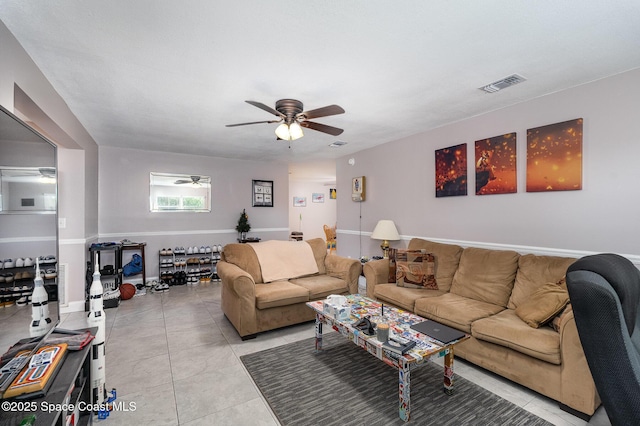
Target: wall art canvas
column 451, row 171
column 554, row 157
column 299, row 201
column 317, row 197
column 262, row 193
column 496, row 165
column 332, row 194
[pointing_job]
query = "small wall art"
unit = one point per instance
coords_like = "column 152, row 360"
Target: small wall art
column 262, row 193
column 496, row 165
column 451, row 171
column 317, row 197
column 332, row 194
column 554, row 157
column 299, row 201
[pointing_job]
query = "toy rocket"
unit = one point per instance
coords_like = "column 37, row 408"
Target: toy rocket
column 40, row 319
column 97, row 319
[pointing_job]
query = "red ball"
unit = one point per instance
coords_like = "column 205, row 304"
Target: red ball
column 127, row 291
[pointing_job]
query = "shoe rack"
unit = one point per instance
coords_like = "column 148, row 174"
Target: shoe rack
column 189, row 265
column 16, row 279
column 109, row 259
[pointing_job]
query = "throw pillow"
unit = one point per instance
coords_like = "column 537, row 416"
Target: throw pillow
column 415, row 269
column 544, row 304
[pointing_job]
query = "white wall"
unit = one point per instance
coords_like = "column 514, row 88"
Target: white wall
column 602, row 217
column 23, row 87
column 314, row 215
column 124, row 201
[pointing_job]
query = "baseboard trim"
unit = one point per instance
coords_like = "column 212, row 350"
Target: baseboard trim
column 75, row 306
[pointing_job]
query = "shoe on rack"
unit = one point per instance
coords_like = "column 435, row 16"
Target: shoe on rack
column 8, row 277
column 50, row 274
column 220, row 248
column 22, row 301
column 190, row 250
column 111, row 294
column 169, row 251
column 28, row 261
column 8, row 264
column 203, row 250
column 19, row 262
column 207, row 249
column 49, row 259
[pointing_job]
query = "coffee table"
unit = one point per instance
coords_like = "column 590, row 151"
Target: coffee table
column 400, row 321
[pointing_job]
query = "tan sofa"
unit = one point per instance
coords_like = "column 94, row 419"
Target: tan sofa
column 478, row 292
column 254, row 306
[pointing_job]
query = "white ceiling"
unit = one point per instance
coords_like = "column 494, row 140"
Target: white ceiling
column 168, row 75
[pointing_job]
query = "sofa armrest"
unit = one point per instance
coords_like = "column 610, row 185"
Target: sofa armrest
column 344, row 268
column 578, row 388
column 376, row 272
column 238, row 297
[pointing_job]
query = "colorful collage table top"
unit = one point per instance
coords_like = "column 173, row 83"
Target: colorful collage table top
column 399, row 322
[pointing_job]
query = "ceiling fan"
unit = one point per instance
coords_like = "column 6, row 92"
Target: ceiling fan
column 195, row 180
column 293, row 118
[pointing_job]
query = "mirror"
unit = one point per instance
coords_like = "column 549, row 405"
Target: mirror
column 179, row 193
column 27, row 190
column 29, row 231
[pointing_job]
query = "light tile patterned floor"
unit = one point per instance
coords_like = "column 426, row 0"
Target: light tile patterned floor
column 177, row 357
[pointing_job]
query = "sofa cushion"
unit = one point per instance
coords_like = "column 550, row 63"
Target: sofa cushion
column 319, row 247
column 506, row 329
column 453, row 310
column 244, row 257
column 544, row 304
column 402, row 297
column 279, row 293
column 486, row 275
column 447, row 257
column 534, row 272
column 414, row 269
column 321, row 286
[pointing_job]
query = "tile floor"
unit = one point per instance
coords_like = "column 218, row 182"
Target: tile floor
column 176, row 357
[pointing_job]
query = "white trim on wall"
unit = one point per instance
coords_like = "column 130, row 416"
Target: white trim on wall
column 540, row 251
column 191, row 232
column 26, row 239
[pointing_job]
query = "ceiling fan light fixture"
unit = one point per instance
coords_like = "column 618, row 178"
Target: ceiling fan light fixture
column 289, row 132
column 295, row 130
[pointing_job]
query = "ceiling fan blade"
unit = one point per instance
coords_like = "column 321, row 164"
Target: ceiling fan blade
column 182, row 181
column 266, row 108
column 322, row 128
column 253, row 122
column 323, row 112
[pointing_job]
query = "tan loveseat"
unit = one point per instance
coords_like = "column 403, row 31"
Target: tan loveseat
column 253, row 306
column 479, row 291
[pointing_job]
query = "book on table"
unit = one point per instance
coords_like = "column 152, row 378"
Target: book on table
column 398, row 346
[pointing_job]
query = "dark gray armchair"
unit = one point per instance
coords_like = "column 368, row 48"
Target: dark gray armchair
column 604, row 290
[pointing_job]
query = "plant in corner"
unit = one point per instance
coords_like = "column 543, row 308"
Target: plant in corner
column 243, row 225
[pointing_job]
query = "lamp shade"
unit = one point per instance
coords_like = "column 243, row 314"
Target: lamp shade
column 385, row 230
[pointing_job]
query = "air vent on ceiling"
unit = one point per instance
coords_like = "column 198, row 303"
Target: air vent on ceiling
column 503, row 83
column 337, row 144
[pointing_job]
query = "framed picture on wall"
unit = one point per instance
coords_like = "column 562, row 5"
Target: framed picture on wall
column 317, row 197
column 262, row 193
column 496, row 165
column 332, row 194
column 554, row 157
column 299, row 201
column 451, row 171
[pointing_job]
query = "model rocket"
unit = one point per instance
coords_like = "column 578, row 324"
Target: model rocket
column 40, row 319
column 97, row 319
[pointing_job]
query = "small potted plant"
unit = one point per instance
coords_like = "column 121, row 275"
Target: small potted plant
column 243, row 226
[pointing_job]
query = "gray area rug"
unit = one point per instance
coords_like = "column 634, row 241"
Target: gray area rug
column 344, row 385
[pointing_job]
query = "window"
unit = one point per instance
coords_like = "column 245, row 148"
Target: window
column 183, row 193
